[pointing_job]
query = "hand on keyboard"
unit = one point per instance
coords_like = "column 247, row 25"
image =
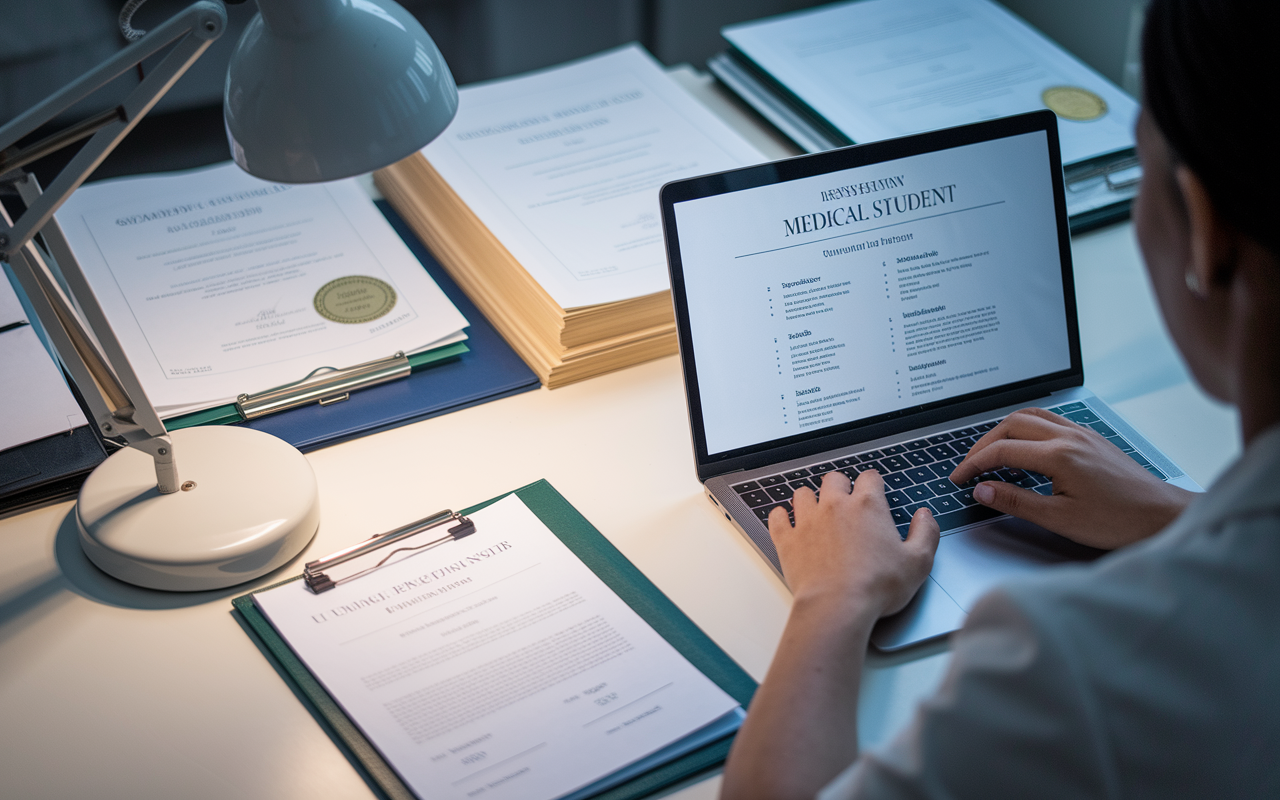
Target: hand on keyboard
column 844, row 549
column 1101, row 497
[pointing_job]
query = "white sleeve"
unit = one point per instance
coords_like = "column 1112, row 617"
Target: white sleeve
column 1013, row 718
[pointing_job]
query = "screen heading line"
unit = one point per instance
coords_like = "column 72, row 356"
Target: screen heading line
column 869, row 230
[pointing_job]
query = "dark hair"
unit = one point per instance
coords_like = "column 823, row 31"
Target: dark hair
column 1212, row 85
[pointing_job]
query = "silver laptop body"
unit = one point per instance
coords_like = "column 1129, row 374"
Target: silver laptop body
column 882, row 306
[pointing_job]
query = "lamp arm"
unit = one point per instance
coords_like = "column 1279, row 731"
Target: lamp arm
column 92, row 353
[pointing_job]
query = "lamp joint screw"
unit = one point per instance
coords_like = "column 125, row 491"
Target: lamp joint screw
column 4, row 240
column 188, row 486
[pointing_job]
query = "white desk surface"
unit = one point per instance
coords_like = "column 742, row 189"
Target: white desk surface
column 108, row 691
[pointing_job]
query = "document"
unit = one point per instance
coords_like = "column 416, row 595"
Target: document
column 877, row 69
column 35, row 397
column 563, row 166
column 497, row 665
column 218, row 283
column 872, row 290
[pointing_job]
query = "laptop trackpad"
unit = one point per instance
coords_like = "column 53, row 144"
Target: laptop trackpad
column 973, row 561
column 968, row 564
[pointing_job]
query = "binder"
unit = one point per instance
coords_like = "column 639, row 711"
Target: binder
column 49, row 468
column 619, row 574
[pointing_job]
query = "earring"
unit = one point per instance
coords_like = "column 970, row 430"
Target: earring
column 1193, row 284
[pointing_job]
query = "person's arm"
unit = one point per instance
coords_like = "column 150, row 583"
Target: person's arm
column 846, row 567
column 1016, row 714
column 1101, row 497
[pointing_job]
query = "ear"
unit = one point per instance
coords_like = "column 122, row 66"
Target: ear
column 1212, row 238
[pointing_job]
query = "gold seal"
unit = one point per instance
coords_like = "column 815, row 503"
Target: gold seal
column 355, row 299
column 1073, row 103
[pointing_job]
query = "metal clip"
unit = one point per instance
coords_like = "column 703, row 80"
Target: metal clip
column 333, row 387
column 1120, row 173
column 314, row 572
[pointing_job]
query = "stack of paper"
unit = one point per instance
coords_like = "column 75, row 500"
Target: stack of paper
column 217, row 283
column 541, row 199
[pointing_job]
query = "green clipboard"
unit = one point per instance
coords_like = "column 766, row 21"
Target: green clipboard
column 618, row 574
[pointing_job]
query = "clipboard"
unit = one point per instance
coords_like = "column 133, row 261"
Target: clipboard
column 457, row 376
column 613, row 568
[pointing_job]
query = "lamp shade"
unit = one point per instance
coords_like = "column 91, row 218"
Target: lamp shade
column 319, row 90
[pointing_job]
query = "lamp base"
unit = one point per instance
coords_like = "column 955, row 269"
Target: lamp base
column 249, row 505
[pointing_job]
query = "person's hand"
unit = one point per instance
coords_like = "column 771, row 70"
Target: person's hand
column 1101, row 497
column 847, row 567
column 845, row 549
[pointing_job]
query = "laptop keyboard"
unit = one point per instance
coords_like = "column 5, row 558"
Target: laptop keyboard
column 915, row 474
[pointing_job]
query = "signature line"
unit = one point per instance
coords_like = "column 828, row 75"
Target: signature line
column 628, row 705
column 500, row 763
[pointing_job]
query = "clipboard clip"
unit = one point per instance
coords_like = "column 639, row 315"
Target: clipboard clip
column 318, row 581
column 1118, row 174
column 334, row 386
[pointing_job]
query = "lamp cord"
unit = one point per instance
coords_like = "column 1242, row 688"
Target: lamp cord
column 126, row 18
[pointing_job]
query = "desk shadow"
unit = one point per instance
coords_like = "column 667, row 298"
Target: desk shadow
column 86, row 580
column 28, row 605
column 18, row 510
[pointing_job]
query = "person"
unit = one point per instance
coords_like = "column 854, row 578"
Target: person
column 1151, row 672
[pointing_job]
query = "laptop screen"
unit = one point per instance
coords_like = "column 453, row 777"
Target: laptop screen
column 817, row 302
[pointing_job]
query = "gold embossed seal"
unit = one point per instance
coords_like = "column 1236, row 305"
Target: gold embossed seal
column 1074, row 103
column 355, row 299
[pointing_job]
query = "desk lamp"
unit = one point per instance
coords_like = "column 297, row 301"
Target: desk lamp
column 317, row 90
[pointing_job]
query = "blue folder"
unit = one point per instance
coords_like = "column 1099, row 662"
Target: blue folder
column 55, row 467
column 488, row 371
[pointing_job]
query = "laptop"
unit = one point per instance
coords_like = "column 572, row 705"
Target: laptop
column 882, row 306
